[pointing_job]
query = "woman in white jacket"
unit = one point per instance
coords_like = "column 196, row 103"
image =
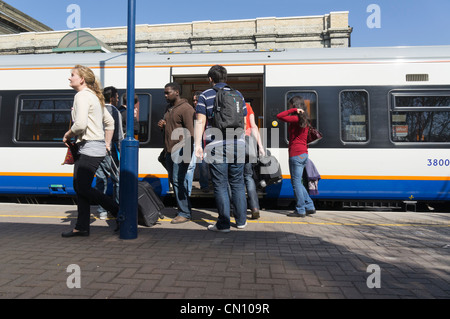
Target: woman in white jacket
column 93, row 126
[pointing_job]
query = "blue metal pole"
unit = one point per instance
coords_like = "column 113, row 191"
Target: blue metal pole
column 129, row 160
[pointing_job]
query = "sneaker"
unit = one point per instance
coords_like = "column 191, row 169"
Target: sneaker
column 310, row 212
column 103, row 215
column 242, row 226
column 214, row 228
column 295, row 214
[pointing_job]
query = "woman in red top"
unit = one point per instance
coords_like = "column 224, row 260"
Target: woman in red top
column 298, row 153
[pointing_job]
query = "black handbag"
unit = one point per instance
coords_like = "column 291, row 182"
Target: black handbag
column 162, row 158
column 313, row 135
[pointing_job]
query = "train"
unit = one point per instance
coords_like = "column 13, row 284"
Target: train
column 384, row 113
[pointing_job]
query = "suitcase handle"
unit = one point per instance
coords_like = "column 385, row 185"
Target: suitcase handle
column 113, row 167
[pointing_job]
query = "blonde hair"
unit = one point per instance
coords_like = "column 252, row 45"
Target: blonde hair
column 91, row 81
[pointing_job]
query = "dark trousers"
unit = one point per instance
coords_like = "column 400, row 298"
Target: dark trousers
column 83, row 176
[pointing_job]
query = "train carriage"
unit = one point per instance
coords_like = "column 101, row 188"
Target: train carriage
column 384, row 114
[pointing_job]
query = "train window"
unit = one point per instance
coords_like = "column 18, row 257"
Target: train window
column 43, row 118
column 354, row 110
column 420, row 117
column 311, row 101
column 142, row 127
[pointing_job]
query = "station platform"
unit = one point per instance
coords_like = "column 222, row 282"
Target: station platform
column 328, row 255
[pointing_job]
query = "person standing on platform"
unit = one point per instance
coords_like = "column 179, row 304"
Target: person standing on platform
column 203, row 167
column 94, row 128
column 224, row 171
column 178, row 136
column 251, row 131
column 123, row 111
column 105, row 169
column 298, row 153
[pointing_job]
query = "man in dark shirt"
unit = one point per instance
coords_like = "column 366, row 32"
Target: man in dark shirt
column 178, row 126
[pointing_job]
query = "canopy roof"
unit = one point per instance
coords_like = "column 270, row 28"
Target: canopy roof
column 80, row 41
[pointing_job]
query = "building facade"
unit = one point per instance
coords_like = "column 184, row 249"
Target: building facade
column 14, row 21
column 324, row 31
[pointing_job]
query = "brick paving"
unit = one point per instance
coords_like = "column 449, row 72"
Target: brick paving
column 325, row 256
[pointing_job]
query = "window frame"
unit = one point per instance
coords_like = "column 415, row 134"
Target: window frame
column 46, row 96
column 150, row 107
column 368, row 121
column 286, row 103
column 411, row 93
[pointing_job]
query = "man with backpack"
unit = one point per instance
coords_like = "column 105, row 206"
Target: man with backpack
column 222, row 111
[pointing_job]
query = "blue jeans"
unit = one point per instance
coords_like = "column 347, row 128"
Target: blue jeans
column 296, row 166
column 190, row 173
column 204, row 174
column 252, row 194
column 177, row 170
column 224, row 175
column 203, row 170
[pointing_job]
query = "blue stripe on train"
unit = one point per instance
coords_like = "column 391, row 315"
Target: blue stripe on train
column 58, row 185
column 370, row 189
column 328, row 189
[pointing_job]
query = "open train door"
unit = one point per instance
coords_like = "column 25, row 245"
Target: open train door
column 250, row 85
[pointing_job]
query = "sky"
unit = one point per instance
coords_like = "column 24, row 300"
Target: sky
column 374, row 22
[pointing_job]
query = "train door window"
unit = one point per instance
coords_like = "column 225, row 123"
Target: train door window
column 420, row 116
column 354, row 113
column 311, row 101
column 42, row 118
column 142, row 129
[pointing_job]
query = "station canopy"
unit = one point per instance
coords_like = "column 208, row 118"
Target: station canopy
column 81, row 41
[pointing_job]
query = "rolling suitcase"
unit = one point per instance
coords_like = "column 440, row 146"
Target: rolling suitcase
column 268, row 171
column 149, row 205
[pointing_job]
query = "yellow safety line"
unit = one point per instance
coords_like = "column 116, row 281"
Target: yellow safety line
column 257, row 222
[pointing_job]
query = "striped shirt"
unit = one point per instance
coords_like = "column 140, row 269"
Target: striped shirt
column 205, row 106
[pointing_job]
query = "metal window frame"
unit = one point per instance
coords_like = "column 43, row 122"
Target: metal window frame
column 368, row 126
column 414, row 92
column 19, row 111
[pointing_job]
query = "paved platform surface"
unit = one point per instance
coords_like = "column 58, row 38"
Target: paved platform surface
column 329, row 255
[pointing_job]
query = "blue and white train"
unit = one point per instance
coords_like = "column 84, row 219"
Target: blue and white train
column 384, row 114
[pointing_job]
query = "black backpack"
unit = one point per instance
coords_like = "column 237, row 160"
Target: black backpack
column 228, row 110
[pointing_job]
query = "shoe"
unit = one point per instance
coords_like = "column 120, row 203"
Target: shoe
column 81, row 233
column 214, row 228
column 179, row 220
column 310, row 212
column 242, row 226
column 295, row 214
column 103, row 215
column 205, row 190
column 255, row 213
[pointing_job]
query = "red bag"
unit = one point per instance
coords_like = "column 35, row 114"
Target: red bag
column 71, row 155
column 313, row 135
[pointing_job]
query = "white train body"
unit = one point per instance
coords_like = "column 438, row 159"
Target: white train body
column 383, row 113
